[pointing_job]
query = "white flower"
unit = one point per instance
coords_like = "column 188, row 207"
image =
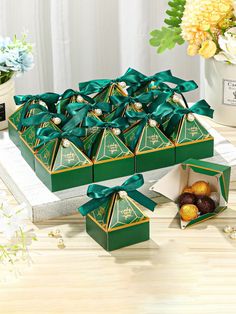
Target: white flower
column 227, row 43
column 12, row 220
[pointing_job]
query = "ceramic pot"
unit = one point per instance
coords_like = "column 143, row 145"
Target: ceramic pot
column 220, row 90
column 7, row 104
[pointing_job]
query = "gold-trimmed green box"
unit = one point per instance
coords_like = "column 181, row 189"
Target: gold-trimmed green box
column 60, row 167
column 112, row 234
column 13, row 132
column 191, row 139
column 153, row 149
column 110, row 156
column 28, row 140
column 189, row 172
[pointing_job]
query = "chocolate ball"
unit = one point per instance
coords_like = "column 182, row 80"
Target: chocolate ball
column 187, row 189
column 186, row 198
column 188, row 212
column 205, row 204
column 201, row 188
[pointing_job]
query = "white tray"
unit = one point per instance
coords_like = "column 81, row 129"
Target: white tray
column 43, row 204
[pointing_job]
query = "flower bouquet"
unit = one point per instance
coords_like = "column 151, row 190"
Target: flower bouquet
column 15, row 58
column 209, row 28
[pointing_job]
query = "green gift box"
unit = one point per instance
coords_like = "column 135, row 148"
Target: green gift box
column 189, row 136
column 15, row 119
column 28, row 140
column 113, row 218
column 79, row 111
column 40, row 118
column 59, row 162
column 110, row 156
column 28, row 106
column 13, row 122
column 151, row 147
column 189, row 172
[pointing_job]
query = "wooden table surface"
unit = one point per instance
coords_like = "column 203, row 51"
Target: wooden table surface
column 177, row 271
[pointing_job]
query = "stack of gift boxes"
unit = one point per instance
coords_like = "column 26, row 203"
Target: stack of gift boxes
column 110, row 128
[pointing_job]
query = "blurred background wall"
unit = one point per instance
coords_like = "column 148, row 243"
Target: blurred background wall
column 78, row 40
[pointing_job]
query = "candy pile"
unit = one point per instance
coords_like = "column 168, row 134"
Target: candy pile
column 196, row 200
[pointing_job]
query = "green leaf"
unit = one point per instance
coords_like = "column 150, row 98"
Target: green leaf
column 166, row 38
column 173, row 21
column 154, row 33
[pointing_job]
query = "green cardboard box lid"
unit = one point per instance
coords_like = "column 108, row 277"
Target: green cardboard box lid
column 14, row 119
column 111, row 90
column 188, row 131
column 106, row 146
column 110, row 116
column 116, row 213
column 29, row 134
column 55, row 157
column 190, row 171
column 151, row 138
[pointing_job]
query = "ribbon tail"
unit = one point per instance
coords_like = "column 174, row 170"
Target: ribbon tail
column 75, row 120
column 143, row 200
column 174, row 121
column 138, row 134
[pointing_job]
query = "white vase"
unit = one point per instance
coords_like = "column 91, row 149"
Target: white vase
column 220, row 90
column 7, row 104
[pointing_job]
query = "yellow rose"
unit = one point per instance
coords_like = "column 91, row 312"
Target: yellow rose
column 192, row 50
column 208, row 49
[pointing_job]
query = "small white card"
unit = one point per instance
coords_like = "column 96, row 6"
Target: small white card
column 229, row 92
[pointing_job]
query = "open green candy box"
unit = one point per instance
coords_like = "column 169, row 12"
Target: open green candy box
column 189, row 172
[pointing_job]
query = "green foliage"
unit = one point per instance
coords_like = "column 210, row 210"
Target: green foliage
column 168, row 36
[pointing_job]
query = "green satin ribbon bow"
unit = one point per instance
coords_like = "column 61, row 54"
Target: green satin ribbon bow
column 176, row 113
column 46, row 135
column 70, row 93
column 79, row 112
column 100, row 194
column 163, row 76
column 41, row 117
column 130, row 77
column 168, row 92
column 143, row 118
column 50, row 100
column 121, row 102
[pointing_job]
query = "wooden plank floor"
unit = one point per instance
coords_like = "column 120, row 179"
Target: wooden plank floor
column 177, row 271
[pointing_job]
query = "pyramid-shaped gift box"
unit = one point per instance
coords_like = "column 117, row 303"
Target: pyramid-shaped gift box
column 85, row 106
column 29, row 105
column 110, row 156
column 42, row 118
column 113, row 217
column 190, row 137
column 60, row 162
column 151, row 147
